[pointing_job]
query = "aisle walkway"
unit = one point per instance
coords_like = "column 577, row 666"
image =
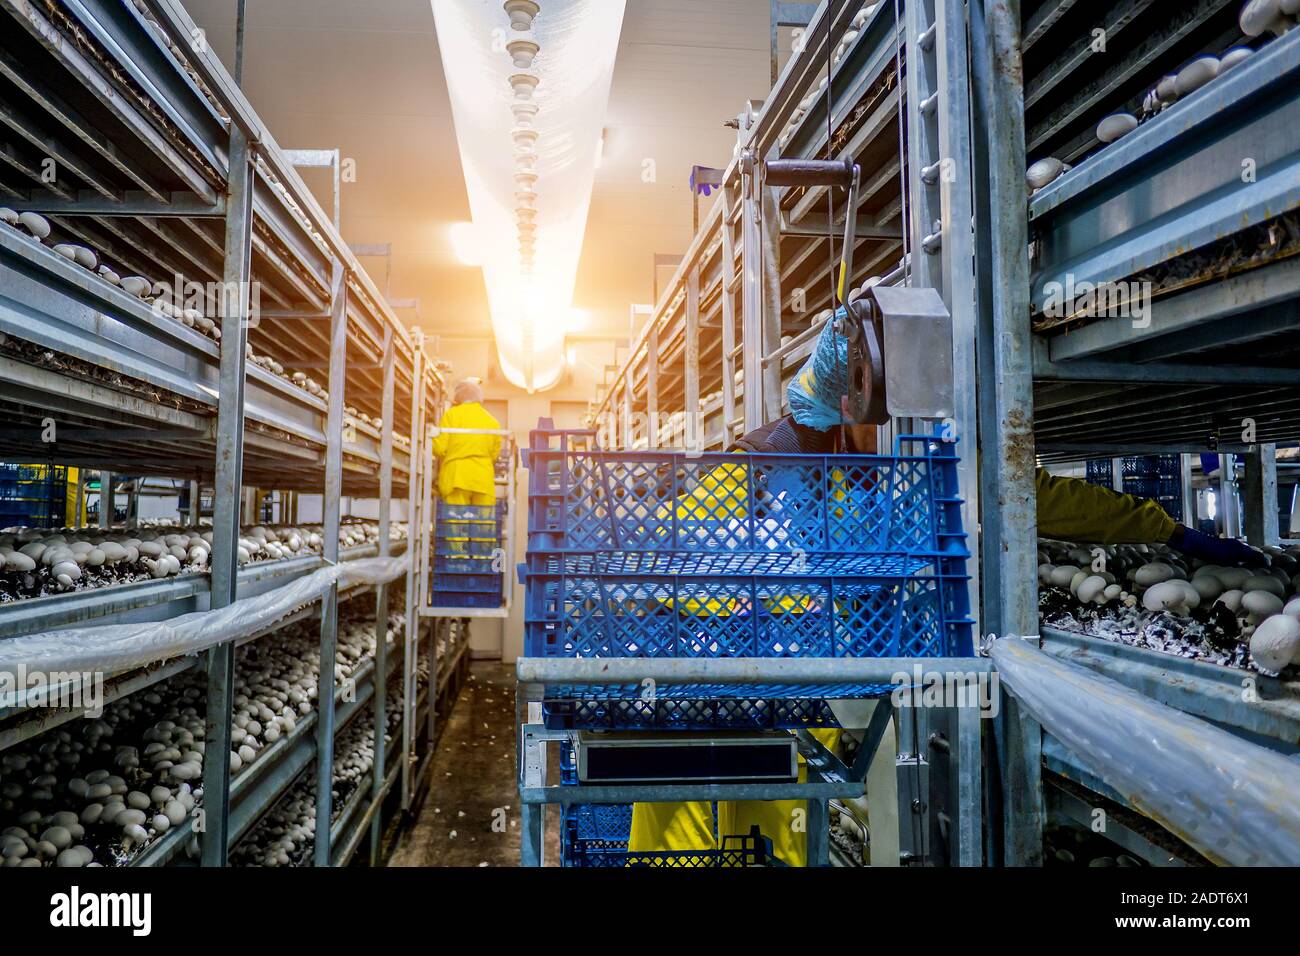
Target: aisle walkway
column 470, row 816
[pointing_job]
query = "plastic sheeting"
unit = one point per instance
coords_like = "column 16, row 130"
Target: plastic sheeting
column 578, row 40
column 118, row 647
column 1232, row 800
column 815, row 392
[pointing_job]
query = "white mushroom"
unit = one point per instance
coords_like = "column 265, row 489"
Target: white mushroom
column 1263, row 16
column 1153, row 573
column 1196, row 74
column 1276, row 643
column 1175, row 596
column 1260, row 605
column 1093, row 590
column 1043, row 172
column 36, row 224
column 1115, row 126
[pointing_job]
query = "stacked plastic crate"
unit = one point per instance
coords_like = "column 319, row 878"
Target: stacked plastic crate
column 666, row 554
column 1158, row 477
column 1101, row 471
column 466, row 562
column 33, row 495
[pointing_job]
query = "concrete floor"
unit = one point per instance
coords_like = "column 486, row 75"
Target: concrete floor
column 470, row 814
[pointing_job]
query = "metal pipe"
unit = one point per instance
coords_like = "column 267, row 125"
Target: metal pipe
column 746, row 670
column 228, row 468
column 330, row 532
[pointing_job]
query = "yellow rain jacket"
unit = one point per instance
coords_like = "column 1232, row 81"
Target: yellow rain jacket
column 466, row 461
column 1074, row 510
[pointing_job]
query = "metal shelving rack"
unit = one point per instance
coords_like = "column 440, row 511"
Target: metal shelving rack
column 998, row 86
column 161, row 165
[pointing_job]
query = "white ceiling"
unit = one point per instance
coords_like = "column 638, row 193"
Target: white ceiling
column 366, row 78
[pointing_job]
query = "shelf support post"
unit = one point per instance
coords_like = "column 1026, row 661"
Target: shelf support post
column 329, row 622
column 380, row 772
column 694, row 420
column 1259, row 496
column 652, row 385
column 228, row 468
column 417, row 544
column 1006, row 403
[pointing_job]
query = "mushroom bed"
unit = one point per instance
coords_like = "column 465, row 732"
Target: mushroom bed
column 97, row 792
column 1152, row 597
column 36, row 562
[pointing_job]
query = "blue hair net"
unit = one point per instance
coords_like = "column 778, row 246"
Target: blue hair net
column 815, row 392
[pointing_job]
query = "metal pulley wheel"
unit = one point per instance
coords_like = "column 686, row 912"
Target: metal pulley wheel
column 862, row 331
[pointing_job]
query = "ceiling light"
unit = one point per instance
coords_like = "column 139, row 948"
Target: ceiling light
column 523, row 84
column 524, row 138
column 522, row 52
column 521, row 13
column 525, row 179
column 527, row 199
column 525, row 114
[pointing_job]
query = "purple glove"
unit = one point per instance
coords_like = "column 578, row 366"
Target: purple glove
column 705, row 179
column 1228, row 552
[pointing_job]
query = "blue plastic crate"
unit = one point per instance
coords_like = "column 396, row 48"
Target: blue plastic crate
column 596, row 826
column 690, row 708
column 662, row 554
column 485, row 583
column 818, row 507
column 464, row 547
column 752, row 849
column 462, row 564
column 1101, row 471
column 1151, row 466
column 448, row 512
column 464, row 599
column 480, row 530
column 606, row 615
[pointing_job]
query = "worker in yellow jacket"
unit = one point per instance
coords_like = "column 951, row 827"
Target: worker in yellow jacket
column 1067, row 509
column 467, row 473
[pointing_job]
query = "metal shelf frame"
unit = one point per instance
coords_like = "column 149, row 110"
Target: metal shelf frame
column 1015, row 83
column 164, row 168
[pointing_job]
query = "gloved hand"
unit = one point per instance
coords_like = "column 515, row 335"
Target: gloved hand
column 1228, row 552
column 704, row 180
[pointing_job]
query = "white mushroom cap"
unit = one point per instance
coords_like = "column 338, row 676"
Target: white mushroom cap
column 1175, row 596
column 1093, row 590
column 1233, row 577
column 1153, row 573
column 1276, row 643
column 1063, row 575
column 1207, row 586
column 1231, row 600
column 1264, row 582
column 1261, row 604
